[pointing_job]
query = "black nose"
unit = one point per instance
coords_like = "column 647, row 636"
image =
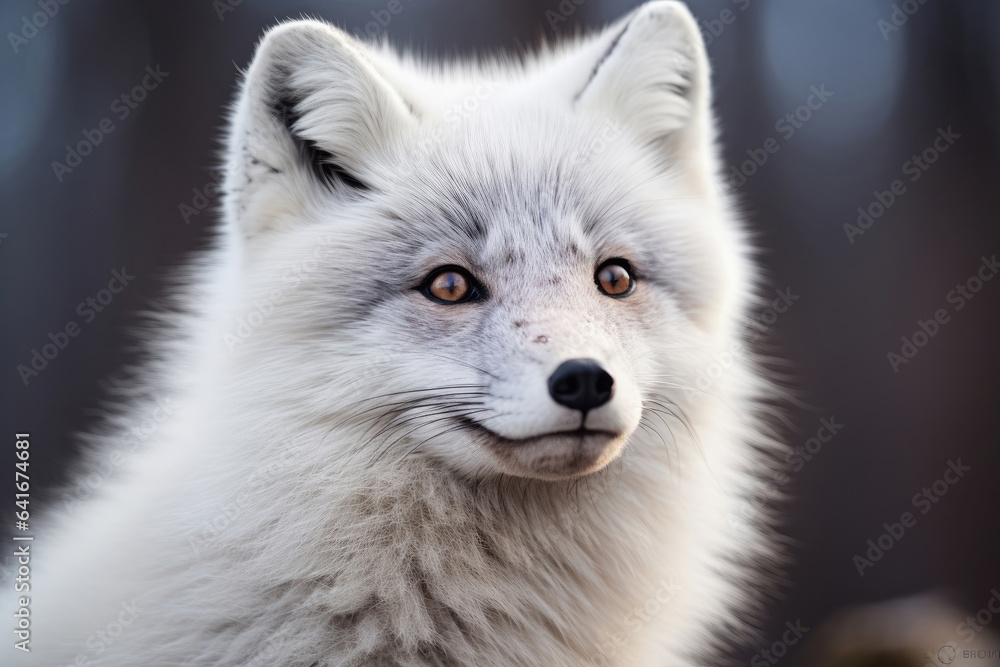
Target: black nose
column 580, row 384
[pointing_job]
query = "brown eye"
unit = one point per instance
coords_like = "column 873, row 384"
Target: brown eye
column 451, row 284
column 614, row 278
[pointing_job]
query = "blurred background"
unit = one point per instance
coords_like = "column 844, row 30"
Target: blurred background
column 863, row 140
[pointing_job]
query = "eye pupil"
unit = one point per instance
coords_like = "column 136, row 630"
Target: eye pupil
column 450, row 286
column 614, row 279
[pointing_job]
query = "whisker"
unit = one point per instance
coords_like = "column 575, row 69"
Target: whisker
column 392, row 443
column 459, row 362
column 416, row 391
column 400, row 407
column 442, row 411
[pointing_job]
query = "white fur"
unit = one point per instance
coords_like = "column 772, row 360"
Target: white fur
column 293, row 511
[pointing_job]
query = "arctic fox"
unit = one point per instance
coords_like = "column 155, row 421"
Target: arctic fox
column 465, row 380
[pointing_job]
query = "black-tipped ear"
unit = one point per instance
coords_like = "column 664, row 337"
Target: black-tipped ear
column 314, row 116
column 650, row 73
column 321, row 164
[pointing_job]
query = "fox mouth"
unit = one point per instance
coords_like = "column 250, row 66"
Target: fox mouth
column 579, row 433
column 557, row 455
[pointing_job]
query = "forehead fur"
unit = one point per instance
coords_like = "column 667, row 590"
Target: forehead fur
column 600, row 148
column 520, row 171
column 521, row 184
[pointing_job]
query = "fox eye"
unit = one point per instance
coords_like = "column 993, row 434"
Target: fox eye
column 614, row 278
column 451, row 284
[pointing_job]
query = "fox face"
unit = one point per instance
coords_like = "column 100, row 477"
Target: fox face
column 513, row 270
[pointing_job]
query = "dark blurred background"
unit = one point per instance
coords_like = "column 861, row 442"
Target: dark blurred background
column 869, row 84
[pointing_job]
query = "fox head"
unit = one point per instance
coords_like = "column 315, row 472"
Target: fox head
column 507, row 267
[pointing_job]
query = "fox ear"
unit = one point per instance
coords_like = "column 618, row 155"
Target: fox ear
column 650, row 72
column 313, row 115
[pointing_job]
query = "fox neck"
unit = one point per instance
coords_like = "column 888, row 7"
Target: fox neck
column 559, row 565
column 405, row 555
